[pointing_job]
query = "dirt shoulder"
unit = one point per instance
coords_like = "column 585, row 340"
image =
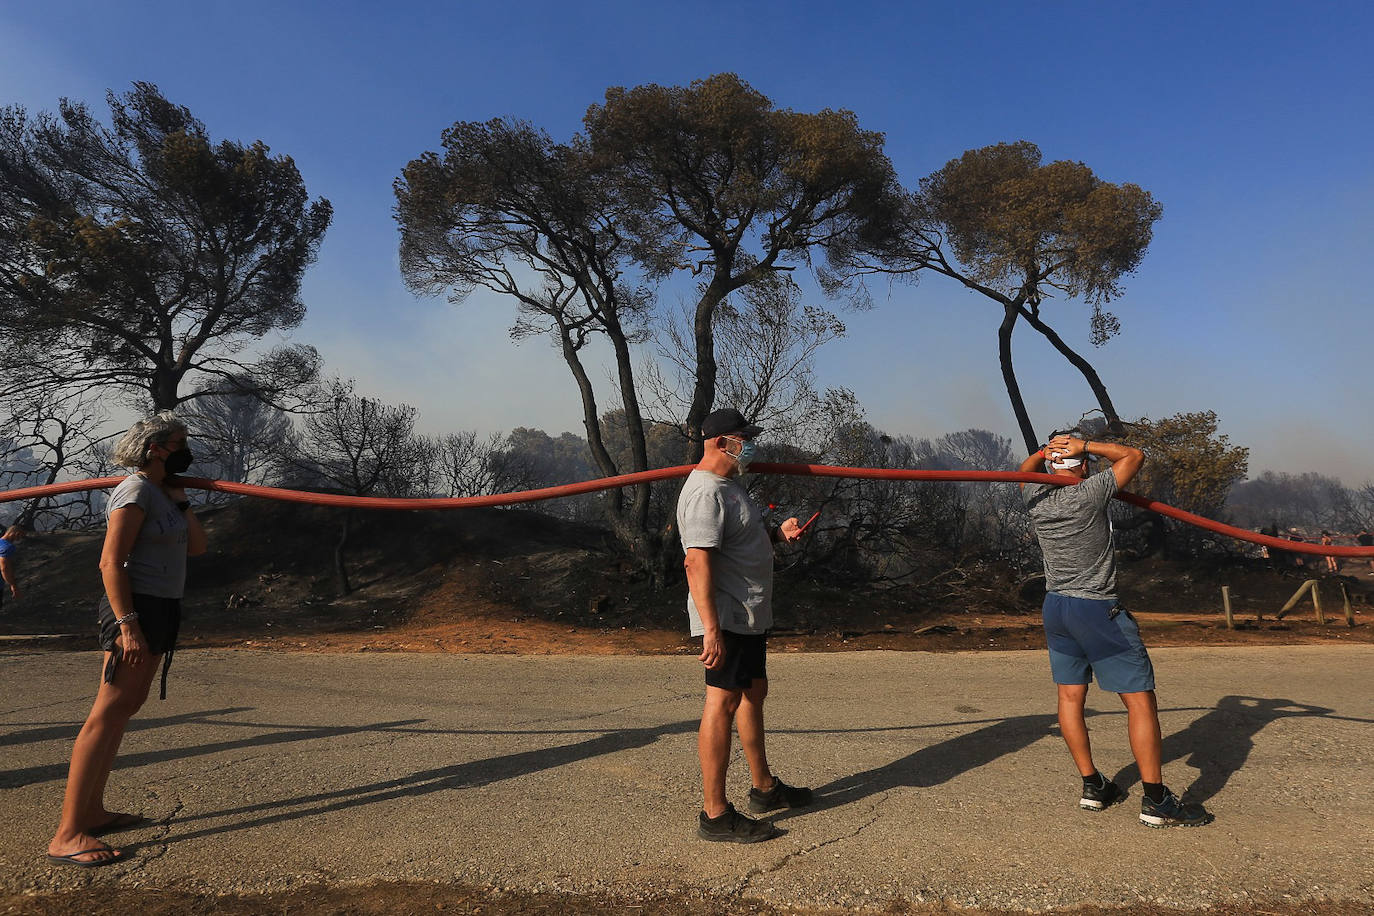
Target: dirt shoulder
column 942, row 633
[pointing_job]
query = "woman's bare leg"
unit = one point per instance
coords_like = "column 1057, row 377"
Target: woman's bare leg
column 93, row 757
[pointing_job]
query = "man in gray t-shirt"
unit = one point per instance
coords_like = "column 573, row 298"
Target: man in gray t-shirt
column 729, row 562
column 715, row 513
column 1087, row 632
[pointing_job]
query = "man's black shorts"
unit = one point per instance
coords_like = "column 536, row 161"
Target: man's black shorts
column 744, row 661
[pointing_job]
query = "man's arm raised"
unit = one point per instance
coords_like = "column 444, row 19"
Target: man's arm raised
column 1034, row 464
column 1126, row 460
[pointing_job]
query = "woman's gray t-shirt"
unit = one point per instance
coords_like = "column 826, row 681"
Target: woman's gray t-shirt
column 1075, row 535
column 716, row 512
column 157, row 564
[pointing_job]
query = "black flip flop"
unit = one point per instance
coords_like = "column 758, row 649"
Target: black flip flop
column 72, row 859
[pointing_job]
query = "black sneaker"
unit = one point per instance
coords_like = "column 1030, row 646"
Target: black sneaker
column 780, row 796
column 733, row 827
column 1170, row 812
column 1100, row 798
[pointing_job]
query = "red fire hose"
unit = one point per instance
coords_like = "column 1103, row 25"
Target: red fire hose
column 625, row 480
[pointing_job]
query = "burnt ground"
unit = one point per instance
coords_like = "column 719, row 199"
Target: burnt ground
column 516, row 581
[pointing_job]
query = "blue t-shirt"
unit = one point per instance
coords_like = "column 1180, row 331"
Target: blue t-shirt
column 8, row 548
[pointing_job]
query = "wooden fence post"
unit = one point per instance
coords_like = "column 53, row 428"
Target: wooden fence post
column 1297, row 596
column 1226, row 605
column 1317, row 603
column 1349, row 613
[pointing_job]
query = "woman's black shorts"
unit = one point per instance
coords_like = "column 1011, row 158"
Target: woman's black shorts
column 160, row 619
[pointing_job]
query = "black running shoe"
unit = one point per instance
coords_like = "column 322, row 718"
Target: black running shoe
column 1100, row 798
column 1171, row 812
column 733, row 827
column 780, row 796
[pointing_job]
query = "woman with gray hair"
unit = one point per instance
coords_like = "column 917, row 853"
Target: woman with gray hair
column 151, row 530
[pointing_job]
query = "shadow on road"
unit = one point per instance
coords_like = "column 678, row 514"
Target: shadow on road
column 54, row 731
column 935, row 763
column 459, row 776
column 1216, row 743
column 10, row 779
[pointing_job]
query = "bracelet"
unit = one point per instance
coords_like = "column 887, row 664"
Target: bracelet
column 183, row 505
column 132, row 615
column 1085, row 446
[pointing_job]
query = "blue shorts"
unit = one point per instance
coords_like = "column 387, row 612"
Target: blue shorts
column 1088, row 637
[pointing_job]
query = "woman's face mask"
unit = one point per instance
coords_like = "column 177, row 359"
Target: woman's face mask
column 177, row 459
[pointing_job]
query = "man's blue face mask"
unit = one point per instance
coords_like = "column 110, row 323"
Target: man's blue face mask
column 747, row 450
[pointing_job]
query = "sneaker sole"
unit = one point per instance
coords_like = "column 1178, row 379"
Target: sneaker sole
column 1092, row 804
column 1163, row 823
column 734, row 838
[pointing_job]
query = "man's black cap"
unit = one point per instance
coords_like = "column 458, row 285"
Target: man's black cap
column 727, row 422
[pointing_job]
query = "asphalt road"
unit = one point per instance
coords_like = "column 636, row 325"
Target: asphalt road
column 939, row 776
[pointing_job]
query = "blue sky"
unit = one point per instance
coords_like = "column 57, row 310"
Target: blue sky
column 1250, row 122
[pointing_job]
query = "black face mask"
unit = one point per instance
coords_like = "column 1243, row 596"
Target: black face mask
column 177, row 461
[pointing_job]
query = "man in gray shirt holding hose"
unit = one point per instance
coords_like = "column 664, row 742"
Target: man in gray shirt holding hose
column 1087, row 632
column 729, row 561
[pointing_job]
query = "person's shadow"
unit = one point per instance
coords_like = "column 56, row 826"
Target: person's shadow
column 1218, row 743
column 469, row 774
column 935, row 763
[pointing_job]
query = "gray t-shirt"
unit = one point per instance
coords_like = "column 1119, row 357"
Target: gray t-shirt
column 716, row 512
column 157, row 564
column 1075, row 535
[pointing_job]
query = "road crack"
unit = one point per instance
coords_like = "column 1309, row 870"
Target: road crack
column 795, row 854
column 156, row 847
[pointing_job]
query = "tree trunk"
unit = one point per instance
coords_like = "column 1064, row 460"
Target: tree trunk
column 629, row 523
column 591, row 422
column 340, row 571
column 634, row 424
column 668, row 569
column 1094, row 381
column 704, row 335
column 163, row 389
column 1018, row 404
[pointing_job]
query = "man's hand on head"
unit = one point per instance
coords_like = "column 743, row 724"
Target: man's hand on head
column 1064, row 446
